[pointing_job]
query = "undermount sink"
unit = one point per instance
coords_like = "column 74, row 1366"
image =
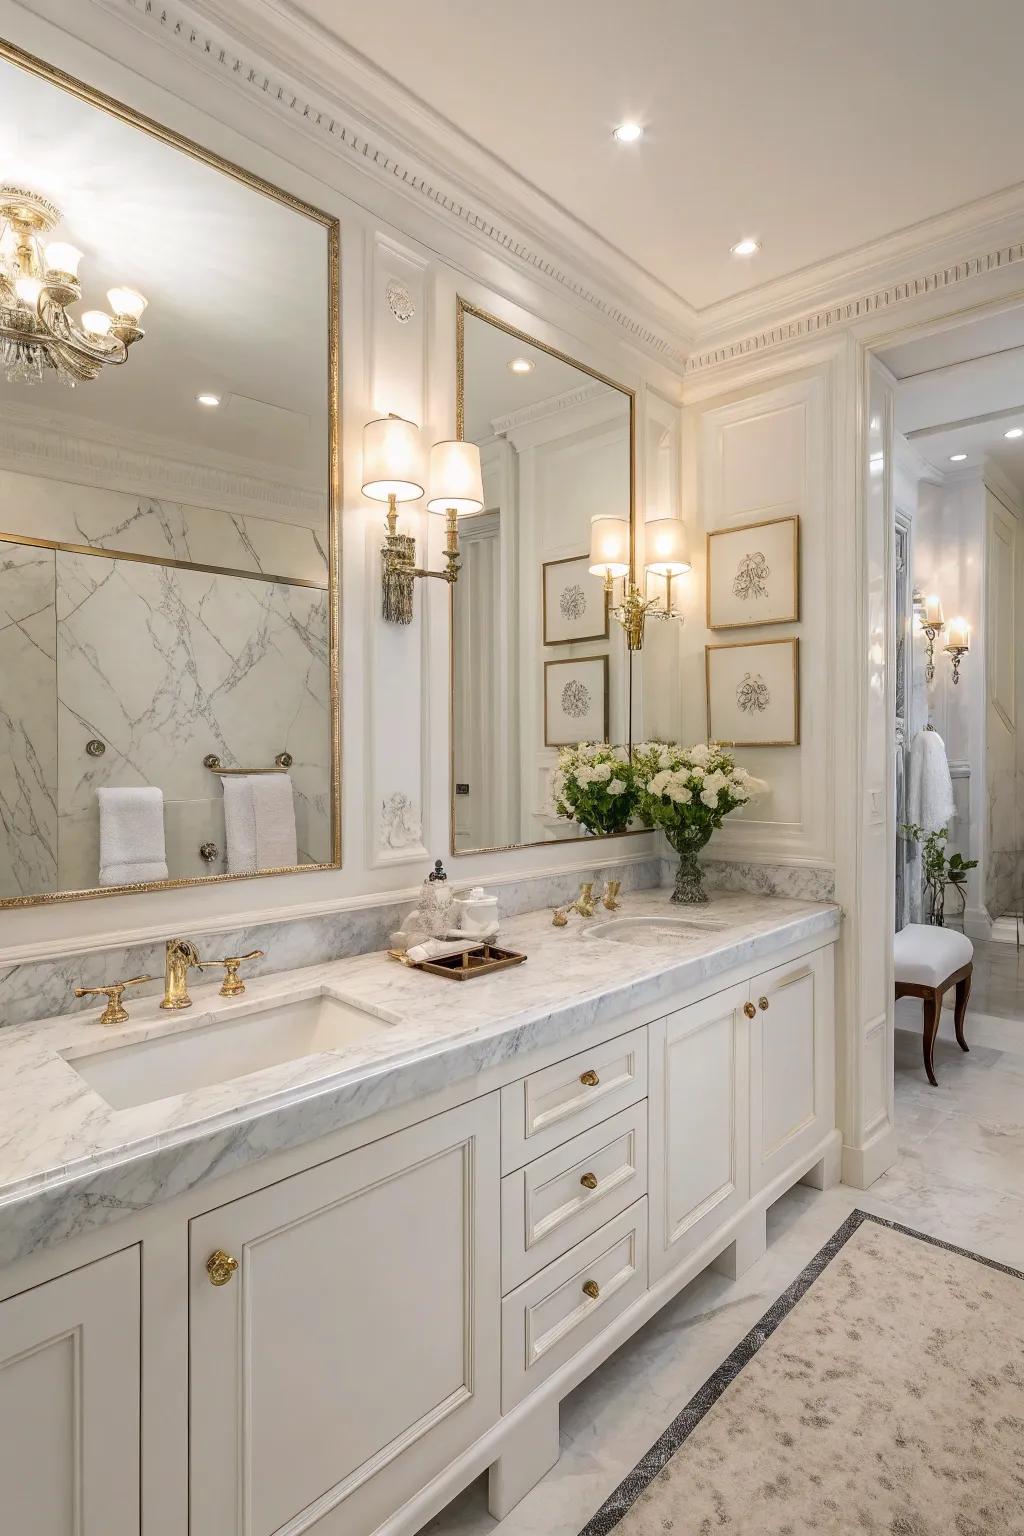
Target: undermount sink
column 183, row 1060
column 655, row 931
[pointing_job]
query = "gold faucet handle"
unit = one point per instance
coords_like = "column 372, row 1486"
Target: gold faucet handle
column 115, row 1012
column 585, row 900
column 610, row 895
column 559, row 917
column 232, row 985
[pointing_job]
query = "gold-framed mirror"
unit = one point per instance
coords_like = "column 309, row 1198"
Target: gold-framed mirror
column 169, row 553
column 537, row 659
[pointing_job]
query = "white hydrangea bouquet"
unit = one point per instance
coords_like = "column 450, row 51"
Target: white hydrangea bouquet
column 593, row 785
column 688, row 792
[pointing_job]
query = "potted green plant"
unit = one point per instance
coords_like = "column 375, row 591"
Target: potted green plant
column 688, row 792
column 938, row 870
column 594, row 786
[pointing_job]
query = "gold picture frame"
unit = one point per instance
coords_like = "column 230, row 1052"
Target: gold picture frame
column 790, row 678
column 600, row 634
column 12, row 54
column 715, row 539
column 577, row 661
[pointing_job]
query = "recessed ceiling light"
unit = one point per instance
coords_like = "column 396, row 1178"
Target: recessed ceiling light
column 746, row 247
column 207, row 399
column 1014, row 432
column 520, row 365
column 957, row 458
column 628, row 133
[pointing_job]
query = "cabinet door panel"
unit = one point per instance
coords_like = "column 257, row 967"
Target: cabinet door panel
column 69, row 1403
column 791, row 1061
column 698, row 1109
column 359, row 1333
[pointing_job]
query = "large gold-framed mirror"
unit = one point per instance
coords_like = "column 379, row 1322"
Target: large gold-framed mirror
column 538, row 661
column 169, row 582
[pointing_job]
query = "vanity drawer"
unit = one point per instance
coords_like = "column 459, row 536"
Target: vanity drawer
column 548, row 1107
column 558, row 1200
column 547, row 1320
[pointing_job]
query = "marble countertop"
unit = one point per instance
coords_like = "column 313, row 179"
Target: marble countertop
column 68, row 1161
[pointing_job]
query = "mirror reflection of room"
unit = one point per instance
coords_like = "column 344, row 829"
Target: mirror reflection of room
column 538, row 661
column 164, row 510
column 959, row 573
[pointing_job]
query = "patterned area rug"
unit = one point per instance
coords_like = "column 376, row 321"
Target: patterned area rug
column 882, row 1395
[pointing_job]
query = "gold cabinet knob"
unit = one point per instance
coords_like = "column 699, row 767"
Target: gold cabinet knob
column 220, row 1267
column 749, row 1010
column 591, row 1289
column 589, row 1079
column 762, row 1003
column 589, row 1181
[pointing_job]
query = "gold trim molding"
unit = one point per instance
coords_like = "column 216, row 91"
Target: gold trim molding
column 332, row 230
column 165, row 560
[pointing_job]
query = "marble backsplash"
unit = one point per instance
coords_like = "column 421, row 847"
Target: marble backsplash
column 43, row 988
column 800, row 882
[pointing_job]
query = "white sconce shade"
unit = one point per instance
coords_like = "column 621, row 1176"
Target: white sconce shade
column 665, row 545
column 456, row 480
column 609, row 546
column 61, row 257
column 392, row 459
column 958, row 635
column 125, row 301
column 932, row 609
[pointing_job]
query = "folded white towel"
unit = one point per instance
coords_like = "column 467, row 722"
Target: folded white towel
column 930, row 803
column 239, row 825
column 273, row 803
column 132, row 847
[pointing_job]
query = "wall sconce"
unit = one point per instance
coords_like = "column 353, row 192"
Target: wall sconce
column 932, row 623
column 666, row 556
column 958, row 644
column 610, row 558
column 392, row 469
column 392, row 466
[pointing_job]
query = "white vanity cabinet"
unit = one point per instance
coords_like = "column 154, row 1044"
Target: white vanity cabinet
column 792, row 1063
column 354, row 1352
column 70, row 1403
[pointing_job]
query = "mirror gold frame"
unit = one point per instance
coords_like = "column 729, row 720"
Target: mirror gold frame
column 464, row 308
column 17, row 56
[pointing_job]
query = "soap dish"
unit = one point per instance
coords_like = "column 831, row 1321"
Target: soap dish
column 481, row 960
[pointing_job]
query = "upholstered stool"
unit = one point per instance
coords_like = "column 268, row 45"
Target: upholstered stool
column 928, row 961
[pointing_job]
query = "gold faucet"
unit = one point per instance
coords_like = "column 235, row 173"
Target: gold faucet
column 584, row 903
column 181, row 957
column 610, row 895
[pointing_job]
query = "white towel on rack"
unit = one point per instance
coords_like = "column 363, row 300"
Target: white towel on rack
column 132, row 846
column 273, row 801
column 239, row 824
column 930, row 802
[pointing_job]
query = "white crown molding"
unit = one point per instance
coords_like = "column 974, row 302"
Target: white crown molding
column 295, row 70
column 552, row 406
column 51, row 444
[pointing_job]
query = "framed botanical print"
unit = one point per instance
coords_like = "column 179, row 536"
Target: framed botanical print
column 575, row 605
column 753, row 574
column 575, row 701
column 753, row 693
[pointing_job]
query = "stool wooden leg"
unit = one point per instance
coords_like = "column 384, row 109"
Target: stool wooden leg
column 963, row 992
column 932, row 1014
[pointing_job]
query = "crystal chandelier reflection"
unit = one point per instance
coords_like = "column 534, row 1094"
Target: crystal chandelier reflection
column 38, row 284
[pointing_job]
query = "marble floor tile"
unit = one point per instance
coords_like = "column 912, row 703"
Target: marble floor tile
column 959, row 1176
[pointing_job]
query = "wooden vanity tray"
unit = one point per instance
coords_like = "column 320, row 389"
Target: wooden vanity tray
column 479, row 961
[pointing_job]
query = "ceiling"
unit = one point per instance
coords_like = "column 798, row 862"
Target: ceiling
column 492, row 390
column 236, row 284
column 815, row 128
column 961, row 390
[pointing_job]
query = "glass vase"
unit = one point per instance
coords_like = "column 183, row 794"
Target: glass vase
column 689, row 884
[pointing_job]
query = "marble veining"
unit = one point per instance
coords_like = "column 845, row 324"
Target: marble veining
column 801, row 881
column 28, row 721
column 68, row 1162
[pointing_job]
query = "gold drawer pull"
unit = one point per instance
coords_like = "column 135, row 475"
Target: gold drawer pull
column 591, row 1289
column 589, row 1079
column 762, row 1003
column 589, row 1181
column 749, row 1010
column 220, row 1267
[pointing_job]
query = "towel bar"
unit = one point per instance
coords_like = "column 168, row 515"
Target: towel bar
column 282, row 762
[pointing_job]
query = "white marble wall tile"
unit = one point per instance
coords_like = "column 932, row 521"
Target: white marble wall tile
column 28, row 721
column 798, row 881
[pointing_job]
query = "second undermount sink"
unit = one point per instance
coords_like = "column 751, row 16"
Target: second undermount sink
column 181, row 1061
column 656, row 931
